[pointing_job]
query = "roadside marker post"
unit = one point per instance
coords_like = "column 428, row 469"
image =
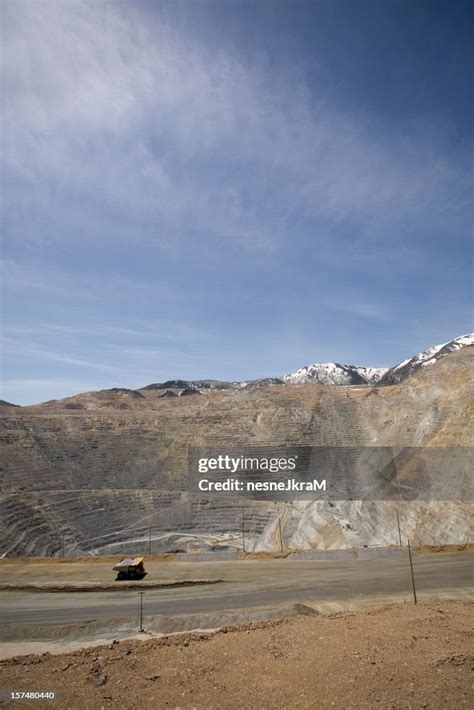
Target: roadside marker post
column 399, row 531
column 412, row 573
column 141, row 629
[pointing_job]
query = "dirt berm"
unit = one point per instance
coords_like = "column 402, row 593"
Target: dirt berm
column 99, row 587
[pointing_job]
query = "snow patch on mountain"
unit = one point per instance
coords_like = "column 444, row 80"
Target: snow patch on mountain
column 333, row 373
column 430, row 356
column 371, row 374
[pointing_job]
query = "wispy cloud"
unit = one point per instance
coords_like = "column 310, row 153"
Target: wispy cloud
column 34, row 351
column 139, row 120
column 152, row 330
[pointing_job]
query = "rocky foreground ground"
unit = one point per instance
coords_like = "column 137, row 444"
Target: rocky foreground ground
column 403, row 656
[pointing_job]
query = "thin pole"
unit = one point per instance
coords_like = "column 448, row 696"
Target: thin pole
column 399, row 531
column 141, row 629
column 62, row 536
column 412, row 574
column 281, row 539
column 243, row 532
column 149, row 539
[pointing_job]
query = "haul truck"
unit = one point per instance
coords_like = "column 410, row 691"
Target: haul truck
column 129, row 568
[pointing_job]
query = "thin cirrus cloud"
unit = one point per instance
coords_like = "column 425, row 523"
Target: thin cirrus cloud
column 141, row 120
column 20, row 349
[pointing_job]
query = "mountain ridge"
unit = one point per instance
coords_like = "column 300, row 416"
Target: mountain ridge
column 427, row 357
column 334, row 373
column 329, row 373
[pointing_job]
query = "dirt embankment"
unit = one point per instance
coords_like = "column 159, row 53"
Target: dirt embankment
column 403, row 656
column 98, row 587
column 466, row 549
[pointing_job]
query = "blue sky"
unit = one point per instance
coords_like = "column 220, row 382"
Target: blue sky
column 230, row 189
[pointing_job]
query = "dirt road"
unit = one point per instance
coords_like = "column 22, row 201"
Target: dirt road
column 246, row 584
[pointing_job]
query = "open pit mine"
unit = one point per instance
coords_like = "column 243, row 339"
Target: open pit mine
column 103, row 472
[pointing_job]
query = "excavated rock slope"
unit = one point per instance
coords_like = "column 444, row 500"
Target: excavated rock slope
column 92, row 472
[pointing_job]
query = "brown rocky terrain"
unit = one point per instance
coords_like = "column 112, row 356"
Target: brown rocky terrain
column 398, row 657
column 91, row 472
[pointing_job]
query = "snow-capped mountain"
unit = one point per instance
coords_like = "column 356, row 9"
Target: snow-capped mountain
column 332, row 373
column 424, row 359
